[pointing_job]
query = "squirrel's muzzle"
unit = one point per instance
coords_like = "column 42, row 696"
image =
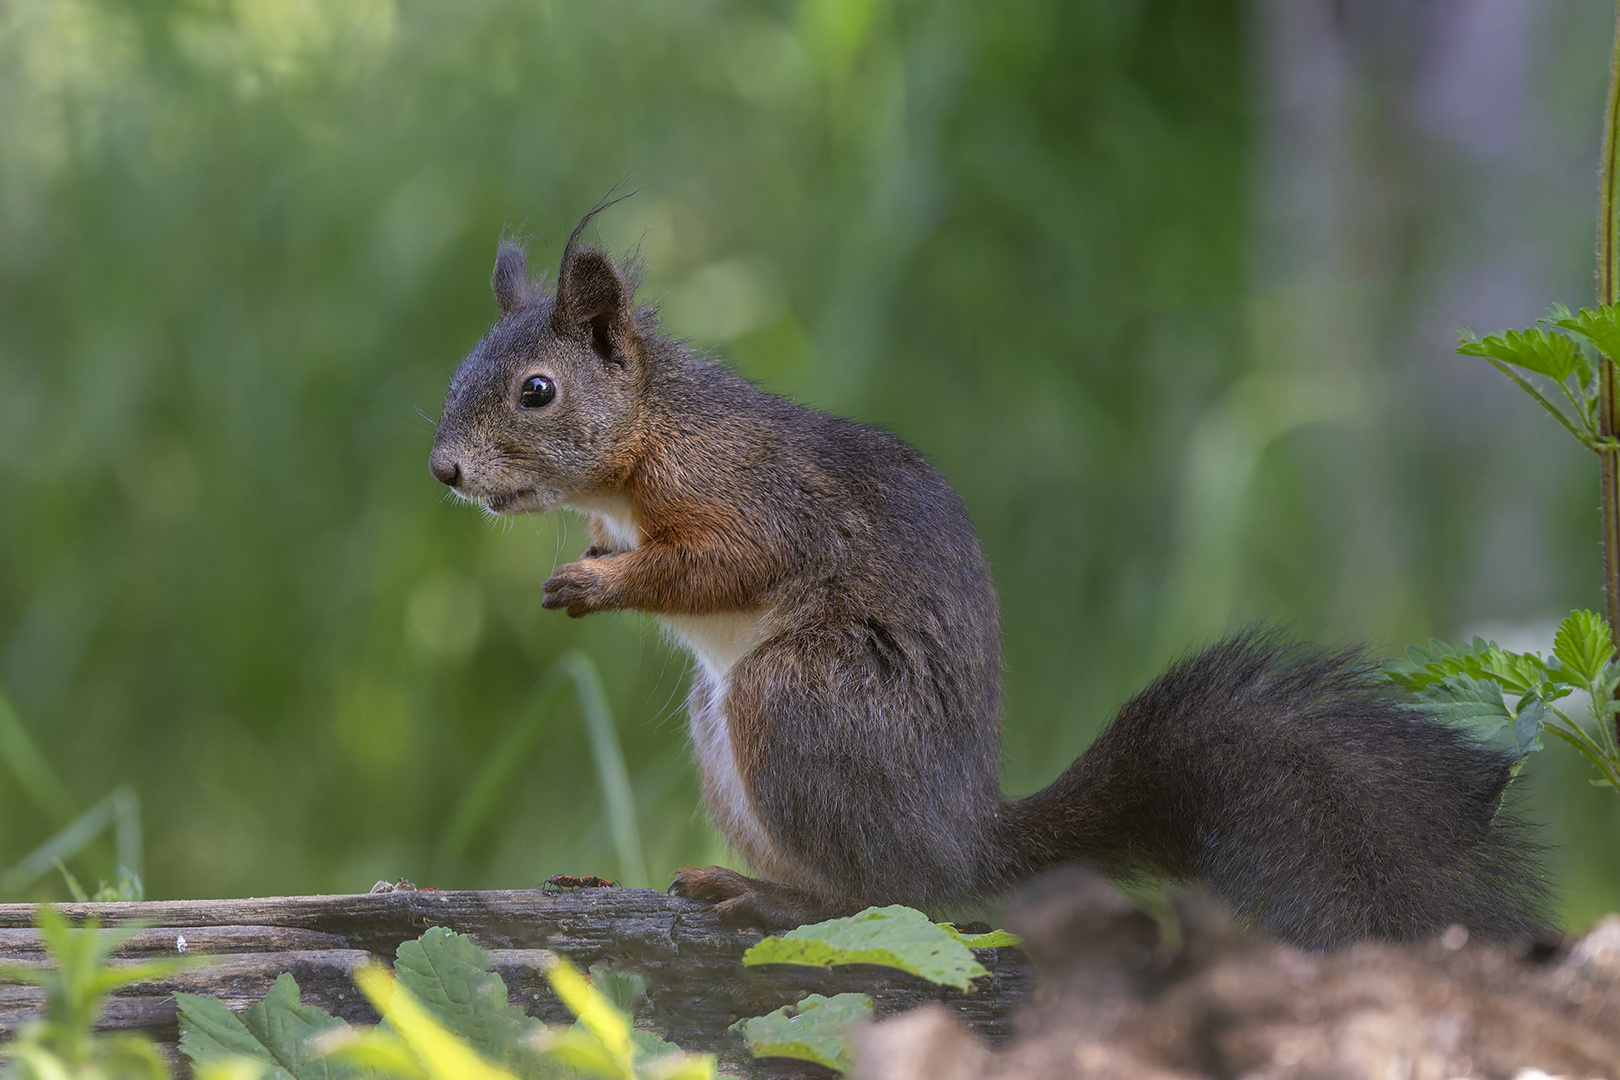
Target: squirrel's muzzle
column 444, row 466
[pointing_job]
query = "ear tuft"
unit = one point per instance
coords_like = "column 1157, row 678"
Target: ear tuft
column 595, row 301
column 513, row 289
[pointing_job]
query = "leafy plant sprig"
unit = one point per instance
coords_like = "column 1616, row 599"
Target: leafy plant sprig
column 447, row 1017
column 1571, row 365
column 1467, row 686
column 76, row 981
column 1584, row 372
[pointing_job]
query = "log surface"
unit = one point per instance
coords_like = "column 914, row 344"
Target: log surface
column 698, row 985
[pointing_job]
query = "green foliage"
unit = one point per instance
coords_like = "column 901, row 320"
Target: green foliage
column 450, row 976
column 1467, row 685
column 448, row 1017
column 1583, row 646
column 29, row 768
column 624, row 988
column 1553, row 355
column 76, row 981
column 119, row 811
column 279, row 1033
column 895, row 936
column 125, row 888
column 1570, row 365
column 1599, row 325
column 993, row 939
column 814, row 1029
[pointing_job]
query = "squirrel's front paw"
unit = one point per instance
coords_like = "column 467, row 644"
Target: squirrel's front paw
column 575, row 587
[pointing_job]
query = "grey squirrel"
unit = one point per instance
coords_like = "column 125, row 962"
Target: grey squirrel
column 846, row 693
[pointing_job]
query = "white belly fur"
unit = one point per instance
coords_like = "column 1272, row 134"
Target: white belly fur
column 716, row 642
column 611, row 514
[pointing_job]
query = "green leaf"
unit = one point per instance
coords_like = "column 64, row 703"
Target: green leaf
column 278, row 1031
column 1583, row 645
column 451, row 977
column 1475, row 706
column 995, row 939
column 410, row 1031
column 623, row 988
column 1515, row 673
column 895, row 936
column 232, row 1068
column 815, row 1029
column 1518, row 673
column 1534, row 349
column 1528, row 723
column 649, row 1046
column 1603, row 704
column 1600, row 326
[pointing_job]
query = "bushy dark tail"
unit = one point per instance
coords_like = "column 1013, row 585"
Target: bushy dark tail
column 1289, row 782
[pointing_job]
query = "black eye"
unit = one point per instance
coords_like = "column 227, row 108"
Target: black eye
column 537, row 392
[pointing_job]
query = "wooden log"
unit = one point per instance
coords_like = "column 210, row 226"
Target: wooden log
column 698, row 985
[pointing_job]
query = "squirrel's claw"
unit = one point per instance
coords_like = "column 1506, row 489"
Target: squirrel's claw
column 575, row 588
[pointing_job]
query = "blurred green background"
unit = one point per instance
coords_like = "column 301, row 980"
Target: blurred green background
column 1167, row 289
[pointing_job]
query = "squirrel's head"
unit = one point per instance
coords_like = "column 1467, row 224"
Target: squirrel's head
column 545, row 409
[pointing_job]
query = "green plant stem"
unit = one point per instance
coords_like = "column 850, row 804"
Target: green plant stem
column 121, row 810
column 519, row 746
column 1580, row 413
column 1608, row 292
column 610, row 771
column 1541, row 399
column 1593, row 753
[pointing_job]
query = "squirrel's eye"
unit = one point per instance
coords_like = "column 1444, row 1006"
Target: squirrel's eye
column 537, row 392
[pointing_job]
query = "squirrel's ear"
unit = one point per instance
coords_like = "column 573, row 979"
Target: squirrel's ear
column 595, row 302
column 513, row 289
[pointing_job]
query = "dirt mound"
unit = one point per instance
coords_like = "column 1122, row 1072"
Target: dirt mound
column 1121, row 997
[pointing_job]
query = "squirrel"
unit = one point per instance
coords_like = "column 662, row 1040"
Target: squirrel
column 845, row 701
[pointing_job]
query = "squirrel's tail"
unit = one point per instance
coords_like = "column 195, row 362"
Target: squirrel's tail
column 1291, row 784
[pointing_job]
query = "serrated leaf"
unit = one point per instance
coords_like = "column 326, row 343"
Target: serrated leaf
column 649, row 1046
column 593, row 1012
column 1479, row 660
column 1533, row 349
column 894, row 936
column 442, row 1054
column 814, row 1029
column 1583, row 645
column 601, row 1041
column 451, row 978
column 1518, row 673
column 1475, row 707
column 1528, row 723
column 278, row 1031
column 623, row 988
column 1600, row 326
column 1603, row 690
column 232, row 1068
column 376, row 1048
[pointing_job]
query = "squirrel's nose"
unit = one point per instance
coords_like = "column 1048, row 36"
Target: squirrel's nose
column 445, row 468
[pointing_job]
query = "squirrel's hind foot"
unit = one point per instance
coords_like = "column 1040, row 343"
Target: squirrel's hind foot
column 746, row 901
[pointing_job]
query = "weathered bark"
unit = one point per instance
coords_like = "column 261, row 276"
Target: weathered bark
column 698, row 984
